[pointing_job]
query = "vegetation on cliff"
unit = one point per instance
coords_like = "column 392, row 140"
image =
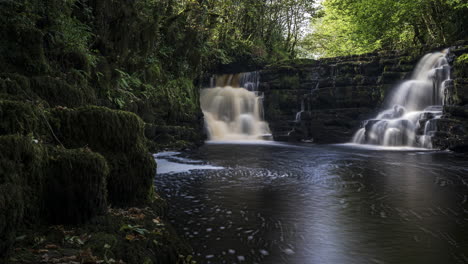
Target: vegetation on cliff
column 345, row 27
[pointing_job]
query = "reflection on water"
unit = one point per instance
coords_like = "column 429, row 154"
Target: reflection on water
column 320, row 204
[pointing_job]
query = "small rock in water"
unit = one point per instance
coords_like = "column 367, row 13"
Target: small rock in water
column 288, row 251
column 232, row 251
column 264, row 252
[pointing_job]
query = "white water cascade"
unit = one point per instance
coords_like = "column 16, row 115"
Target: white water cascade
column 410, row 119
column 233, row 109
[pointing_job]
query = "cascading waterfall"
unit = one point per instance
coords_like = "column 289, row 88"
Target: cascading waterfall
column 233, row 108
column 410, row 119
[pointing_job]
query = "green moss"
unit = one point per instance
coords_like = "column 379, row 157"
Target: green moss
column 75, row 186
column 14, row 84
column 461, row 66
column 391, row 77
column 21, row 163
column 119, row 137
column 172, row 137
column 11, row 215
column 99, row 128
column 21, row 45
column 58, row 92
column 19, row 117
column 290, row 82
column 131, row 177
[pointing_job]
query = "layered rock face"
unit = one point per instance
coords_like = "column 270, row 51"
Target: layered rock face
column 325, row 101
column 452, row 128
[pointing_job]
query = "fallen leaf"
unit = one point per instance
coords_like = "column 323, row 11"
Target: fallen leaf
column 51, row 246
column 130, row 237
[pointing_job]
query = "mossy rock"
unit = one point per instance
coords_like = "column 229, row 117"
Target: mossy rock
column 21, row 118
column 58, row 92
column 461, row 66
column 21, row 45
column 22, row 160
column 289, row 82
column 14, row 84
column 21, row 164
column 100, row 128
column 11, row 215
column 119, row 137
column 173, row 137
column 131, row 177
column 391, row 77
column 75, row 186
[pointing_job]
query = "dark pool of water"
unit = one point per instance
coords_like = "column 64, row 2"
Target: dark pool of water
column 319, row 204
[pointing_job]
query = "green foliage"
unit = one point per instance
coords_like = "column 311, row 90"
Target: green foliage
column 348, row 27
column 461, row 66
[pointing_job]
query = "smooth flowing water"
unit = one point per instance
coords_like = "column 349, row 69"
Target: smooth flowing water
column 297, row 204
column 233, row 108
column 413, row 108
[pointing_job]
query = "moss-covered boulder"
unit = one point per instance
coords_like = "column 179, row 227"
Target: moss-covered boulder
column 57, row 92
column 119, row 137
column 461, row 66
column 131, row 177
column 21, row 163
column 11, row 215
column 20, row 117
column 75, row 186
column 21, row 44
column 99, row 128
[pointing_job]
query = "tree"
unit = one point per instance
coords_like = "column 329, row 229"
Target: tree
column 357, row 26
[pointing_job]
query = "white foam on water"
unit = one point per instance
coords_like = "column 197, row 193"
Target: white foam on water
column 170, row 163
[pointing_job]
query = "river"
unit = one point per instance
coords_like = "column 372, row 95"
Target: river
column 286, row 203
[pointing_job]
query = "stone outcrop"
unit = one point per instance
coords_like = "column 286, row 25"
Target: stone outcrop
column 325, row 101
column 453, row 126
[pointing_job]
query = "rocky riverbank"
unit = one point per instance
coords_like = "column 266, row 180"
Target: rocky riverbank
column 82, row 106
column 325, row 101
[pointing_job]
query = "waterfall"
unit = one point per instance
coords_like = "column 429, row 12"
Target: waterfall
column 412, row 111
column 298, row 114
column 233, row 108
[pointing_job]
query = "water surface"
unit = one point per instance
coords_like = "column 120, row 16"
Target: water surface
column 277, row 203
